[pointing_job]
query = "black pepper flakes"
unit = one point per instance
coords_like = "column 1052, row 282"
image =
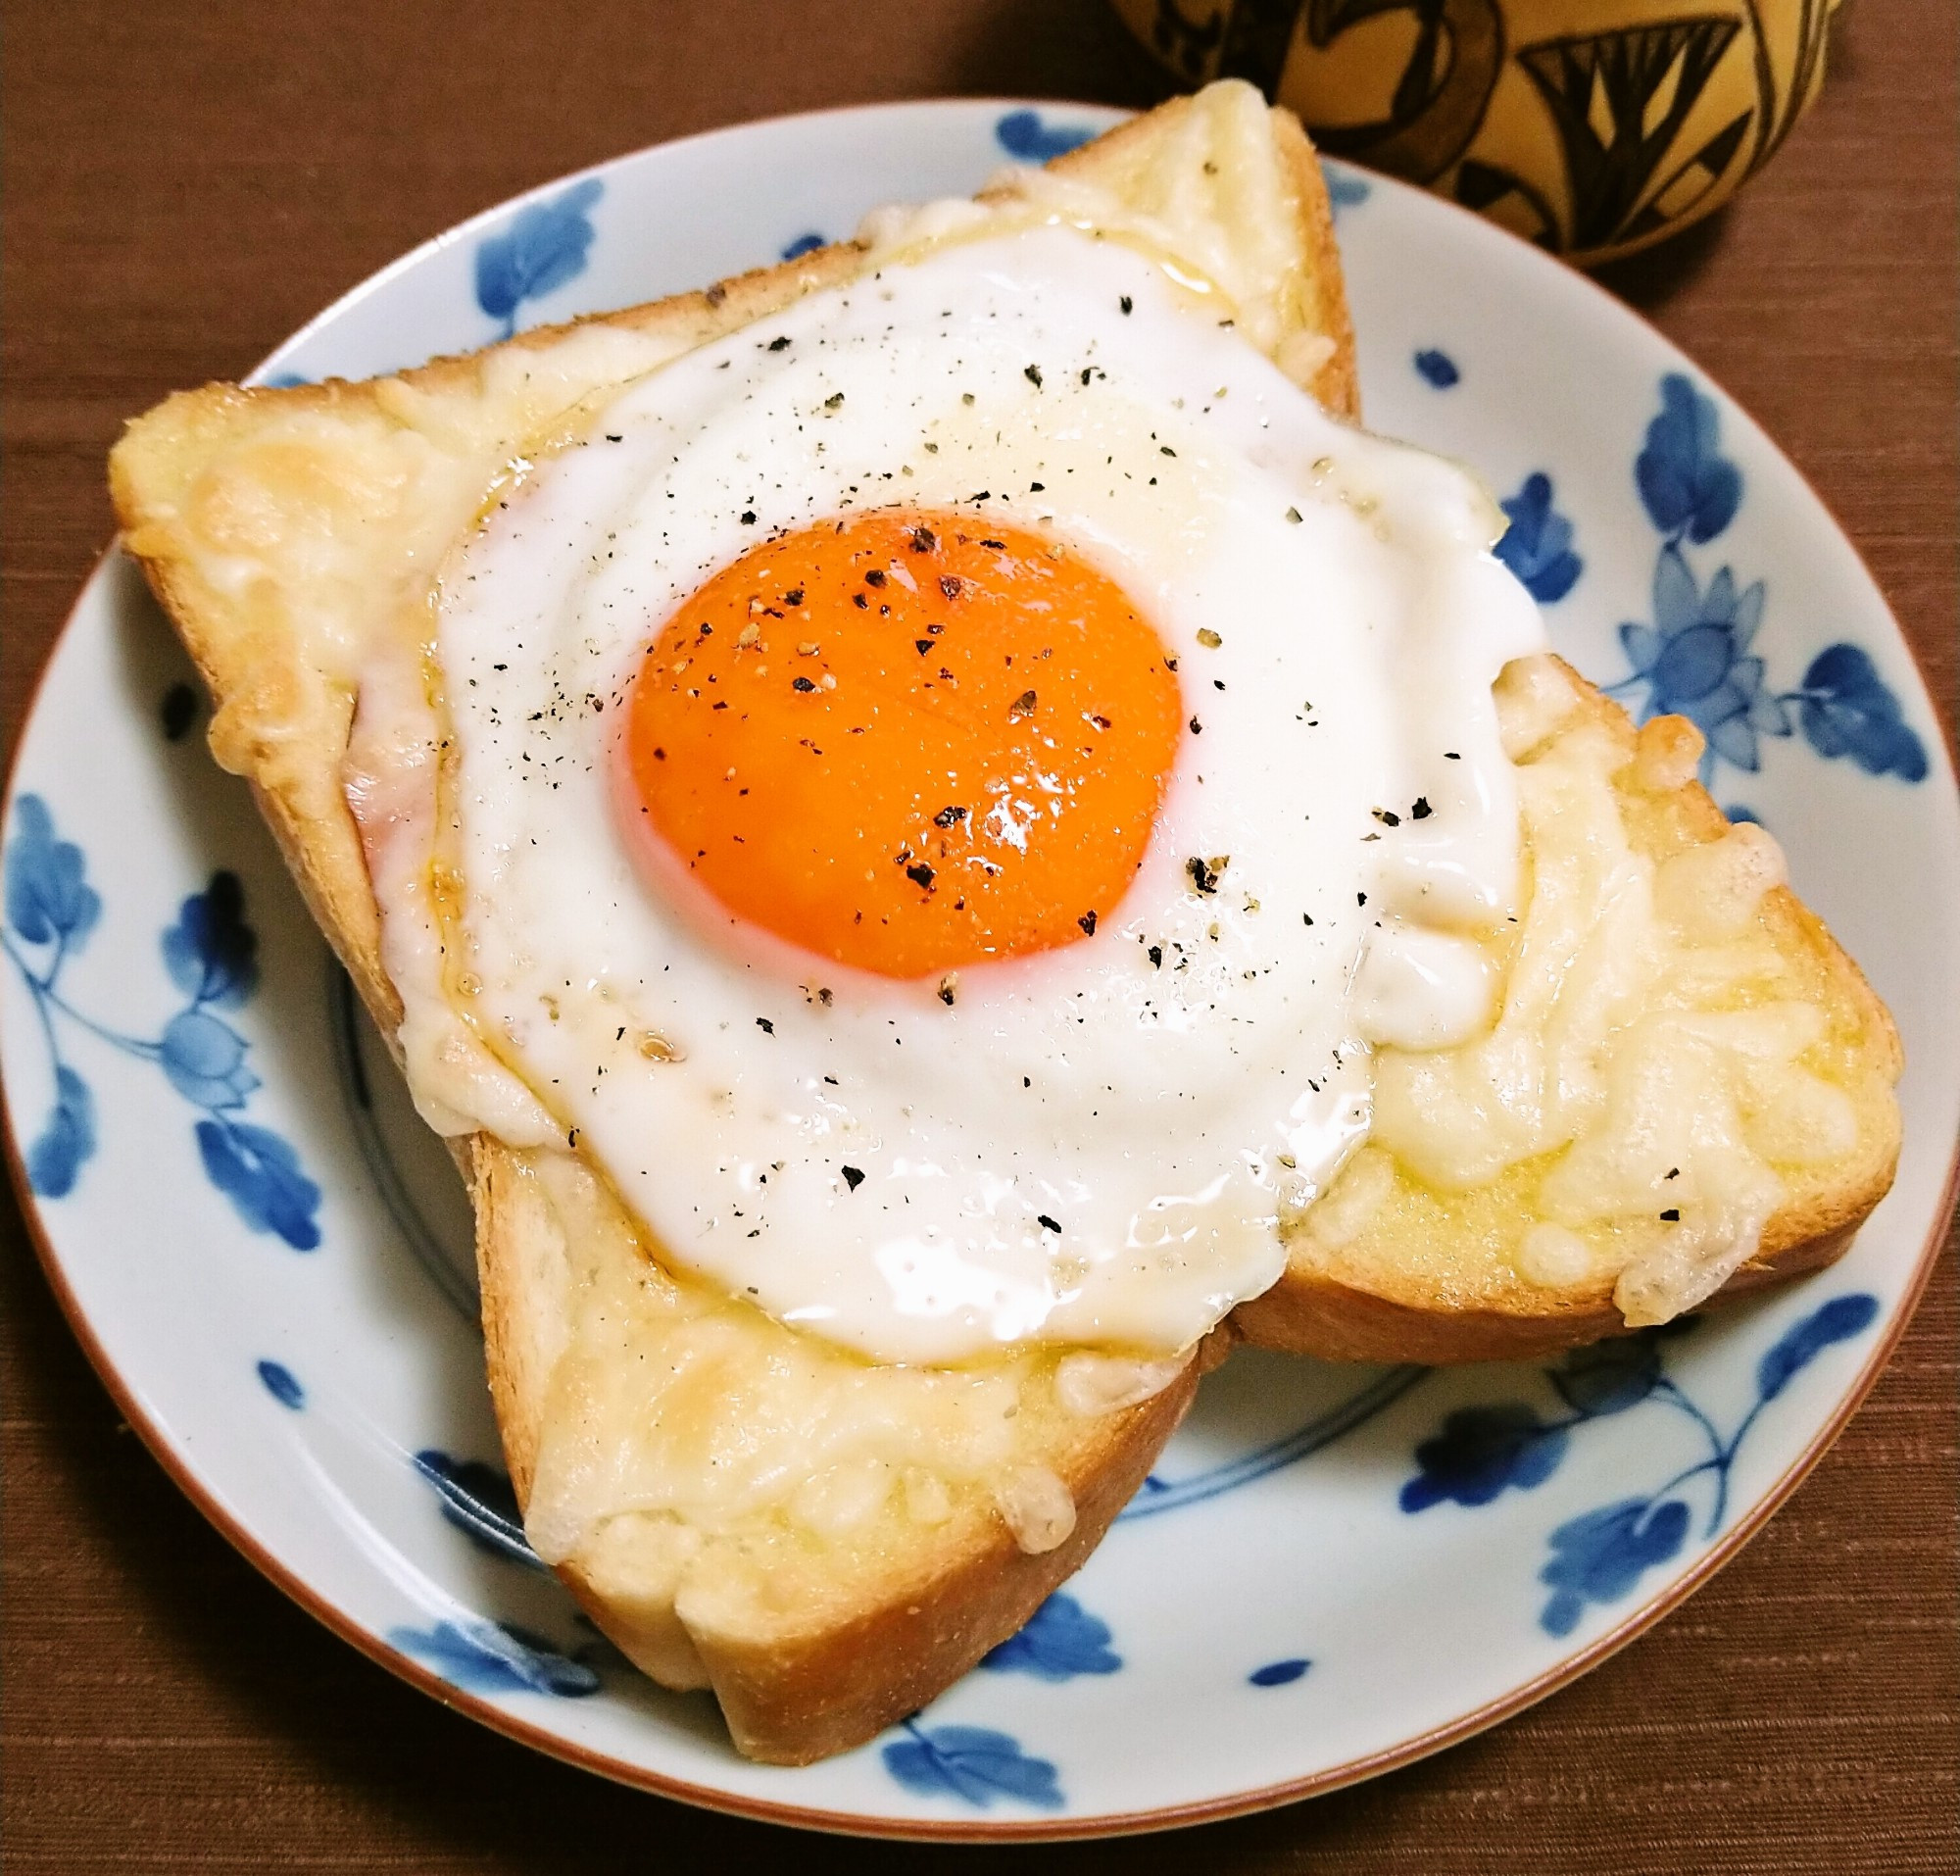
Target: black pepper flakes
column 1207, row 873
column 801, row 683
column 1125, row 303
column 875, row 576
column 1033, row 375
column 949, row 584
column 1047, row 1223
column 1023, row 706
column 923, row 540
column 1672, row 1215
column 920, row 874
column 1088, row 923
column 852, row 1177
column 948, row 817
column 779, row 345
column 1421, row 810
column 748, row 518
column 765, row 1026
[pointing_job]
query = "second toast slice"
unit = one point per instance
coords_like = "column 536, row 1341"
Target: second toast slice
column 1685, row 1092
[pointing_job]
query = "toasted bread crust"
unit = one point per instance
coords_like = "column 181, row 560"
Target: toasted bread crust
column 283, row 718
column 1313, row 1314
column 791, row 1700
column 1338, row 1308
column 795, row 1706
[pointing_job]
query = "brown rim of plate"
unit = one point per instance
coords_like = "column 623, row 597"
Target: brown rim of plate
column 1033, row 1830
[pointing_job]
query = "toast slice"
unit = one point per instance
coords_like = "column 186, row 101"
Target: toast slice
column 825, row 1541
column 1696, row 1081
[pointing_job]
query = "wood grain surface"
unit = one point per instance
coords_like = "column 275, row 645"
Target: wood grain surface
column 187, row 184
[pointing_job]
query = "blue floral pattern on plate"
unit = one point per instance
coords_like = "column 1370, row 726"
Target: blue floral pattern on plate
column 478, row 1499
column 975, row 1764
column 1436, row 368
column 1159, row 1495
column 1060, row 1641
column 212, row 955
column 1346, row 188
column 543, row 249
column 1280, row 1673
column 1537, row 542
column 1694, row 658
column 492, row 1657
column 1482, row 1451
column 1029, row 137
column 282, row 1384
column 481, row 1655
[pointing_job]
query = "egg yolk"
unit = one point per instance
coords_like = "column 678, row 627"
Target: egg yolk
column 907, row 741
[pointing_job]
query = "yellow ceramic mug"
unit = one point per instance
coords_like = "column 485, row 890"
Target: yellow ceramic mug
column 1593, row 126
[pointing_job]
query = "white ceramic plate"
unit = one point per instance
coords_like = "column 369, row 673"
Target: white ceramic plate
column 1333, row 1571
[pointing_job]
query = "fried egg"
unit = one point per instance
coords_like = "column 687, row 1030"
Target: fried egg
column 942, row 787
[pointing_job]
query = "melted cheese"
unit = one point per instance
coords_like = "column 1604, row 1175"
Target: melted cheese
column 809, row 1439
column 1652, row 1054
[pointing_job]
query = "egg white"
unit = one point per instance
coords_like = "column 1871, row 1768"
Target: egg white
column 1096, row 1144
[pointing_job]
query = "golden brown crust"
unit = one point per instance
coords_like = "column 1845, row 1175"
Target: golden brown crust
column 1345, row 1306
column 1337, row 384
column 406, row 458
column 1310, row 1313
column 791, row 1705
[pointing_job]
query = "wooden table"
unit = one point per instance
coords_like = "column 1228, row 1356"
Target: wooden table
column 185, row 185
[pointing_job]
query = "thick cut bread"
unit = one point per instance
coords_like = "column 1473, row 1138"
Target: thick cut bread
column 824, row 1542
column 1402, row 1262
